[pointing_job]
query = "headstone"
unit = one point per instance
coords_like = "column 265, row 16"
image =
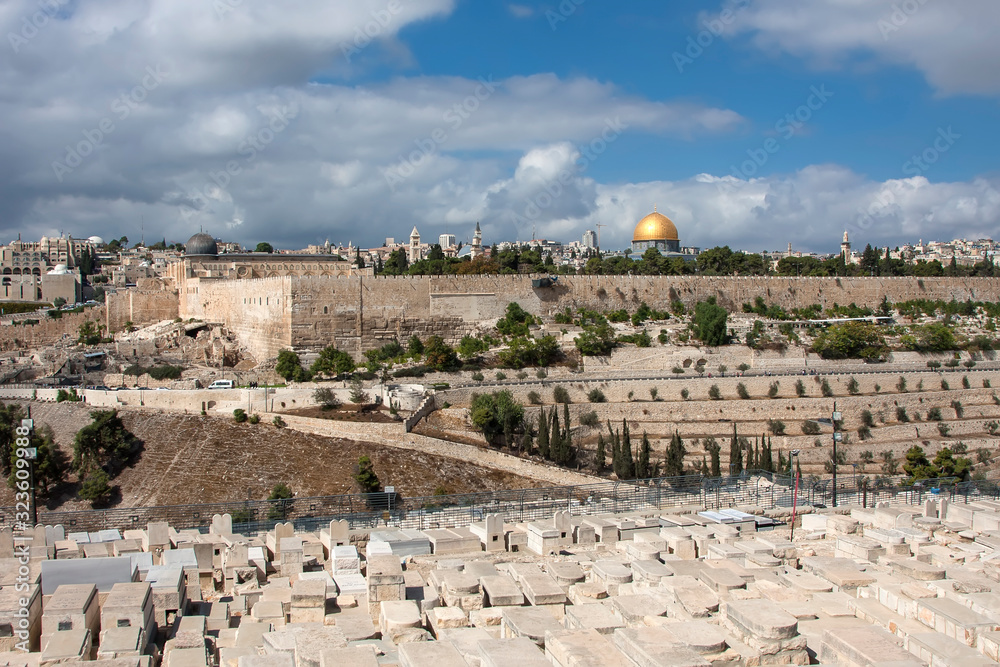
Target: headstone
column 222, row 524
column 54, row 534
column 102, row 572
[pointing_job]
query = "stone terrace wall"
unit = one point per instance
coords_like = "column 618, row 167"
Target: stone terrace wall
column 358, row 313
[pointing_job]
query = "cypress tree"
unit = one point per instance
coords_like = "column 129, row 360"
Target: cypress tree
column 543, row 434
column 674, row 464
column 642, row 466
column 555, row 440
column 704, row 467
column 628, row 461
column 615, row 454
column 735, row 454
column 600, row 455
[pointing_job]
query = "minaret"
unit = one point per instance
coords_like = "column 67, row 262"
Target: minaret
column 845, row 249
column 477, row 242
column 414, row 246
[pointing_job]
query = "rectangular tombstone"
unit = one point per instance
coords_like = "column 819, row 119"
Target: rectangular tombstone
column 102, row 572
column 71, row 607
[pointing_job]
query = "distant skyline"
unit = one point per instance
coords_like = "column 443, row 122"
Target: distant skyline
column 749, row 123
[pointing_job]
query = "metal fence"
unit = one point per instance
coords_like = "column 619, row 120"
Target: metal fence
column 759, row 489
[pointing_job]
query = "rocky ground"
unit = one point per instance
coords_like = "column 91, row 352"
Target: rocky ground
column 190, row 459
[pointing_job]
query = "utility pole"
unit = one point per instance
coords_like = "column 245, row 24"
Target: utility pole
column 836, row 438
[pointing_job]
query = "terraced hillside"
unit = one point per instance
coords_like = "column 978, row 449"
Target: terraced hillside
column 933, row 410
column 192, row 459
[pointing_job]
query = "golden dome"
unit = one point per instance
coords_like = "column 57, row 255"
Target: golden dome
column 655, row 227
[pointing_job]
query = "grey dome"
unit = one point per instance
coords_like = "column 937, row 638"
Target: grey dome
column 201, row 244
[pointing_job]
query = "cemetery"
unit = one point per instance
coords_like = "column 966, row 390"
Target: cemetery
column 901, row 585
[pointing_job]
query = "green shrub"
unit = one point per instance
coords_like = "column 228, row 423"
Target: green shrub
column 560, row 395
column 501, row 376
column 714, row 393
column 653, row 393
column 943, row 429
column 541, row 374
column 944, row 385
column 239, row 415
column 478, row 377
column 741, row 391
column 685, row 394
column 934, row 415
column 825, row 389
column 534, row 398
column 853, row 388
column 743, row 368
column 901, row 385
column 901, row 415
column 864, row 433
column 965, row 382
column 810, row 427
column 589, row 419
column 957, row 407
column 772, row 391
column 254, row 419
column 596, row 396
column 867, row 419
column 986, row 384
column 776, row 426
column 800, row 388
column 933, row 364
column 278, row 421
column 96, row 488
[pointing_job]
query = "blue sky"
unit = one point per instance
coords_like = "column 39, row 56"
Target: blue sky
column 335, row 120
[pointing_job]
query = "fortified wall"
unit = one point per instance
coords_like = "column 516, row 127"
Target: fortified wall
column 358, row 313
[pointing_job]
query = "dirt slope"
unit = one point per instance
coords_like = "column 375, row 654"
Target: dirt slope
column 191, row 459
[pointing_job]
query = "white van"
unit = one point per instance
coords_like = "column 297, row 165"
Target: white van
column 221, row 384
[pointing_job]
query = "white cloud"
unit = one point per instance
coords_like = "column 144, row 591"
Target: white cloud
column 952, row 43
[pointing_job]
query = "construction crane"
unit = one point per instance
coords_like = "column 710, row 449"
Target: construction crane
column 599, row 225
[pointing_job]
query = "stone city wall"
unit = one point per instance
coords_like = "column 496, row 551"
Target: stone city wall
column 258, row 311
column 48, row 331
column 359, row 313
column 140, row 307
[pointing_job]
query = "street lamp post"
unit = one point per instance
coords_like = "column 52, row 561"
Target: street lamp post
column 795, row 494
column 836, row 438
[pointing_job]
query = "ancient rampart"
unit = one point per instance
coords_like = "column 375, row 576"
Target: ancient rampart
column 358, row 313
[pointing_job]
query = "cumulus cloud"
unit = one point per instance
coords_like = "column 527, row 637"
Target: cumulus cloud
column 810, row 208
column 952, row 43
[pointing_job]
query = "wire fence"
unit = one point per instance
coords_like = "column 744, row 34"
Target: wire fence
column 763, row 490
